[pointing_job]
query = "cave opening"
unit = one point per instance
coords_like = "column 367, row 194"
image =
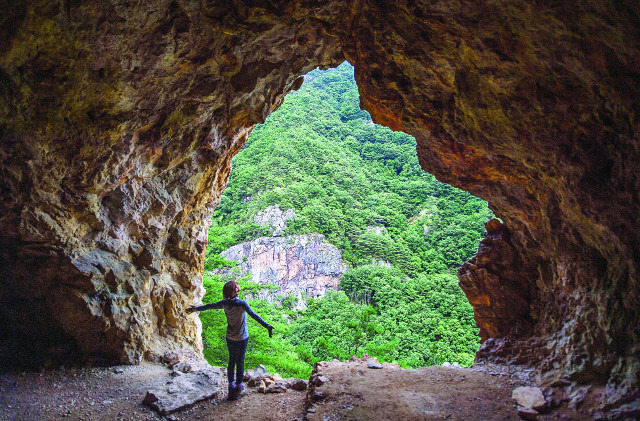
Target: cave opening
column 320, row 198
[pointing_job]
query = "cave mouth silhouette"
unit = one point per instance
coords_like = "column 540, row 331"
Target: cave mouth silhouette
column 246, row 187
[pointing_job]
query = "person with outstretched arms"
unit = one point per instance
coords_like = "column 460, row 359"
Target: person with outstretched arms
column 237, row 333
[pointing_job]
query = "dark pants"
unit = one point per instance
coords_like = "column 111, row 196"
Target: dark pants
column 236, row 360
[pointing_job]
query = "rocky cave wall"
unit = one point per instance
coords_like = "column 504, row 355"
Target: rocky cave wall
column 118, row 122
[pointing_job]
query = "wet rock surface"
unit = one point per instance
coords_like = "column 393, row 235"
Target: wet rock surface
column 118, row 123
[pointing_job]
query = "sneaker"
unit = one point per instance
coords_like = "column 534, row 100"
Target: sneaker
column 233, row 393
column 239, row 391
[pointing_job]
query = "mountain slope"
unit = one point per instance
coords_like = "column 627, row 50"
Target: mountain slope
column 322, row 162
column 321, row 156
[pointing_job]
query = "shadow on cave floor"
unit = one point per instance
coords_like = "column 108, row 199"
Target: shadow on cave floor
column 351, row 391
column 24, row 355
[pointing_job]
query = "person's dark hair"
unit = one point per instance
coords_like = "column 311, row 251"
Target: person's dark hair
column 229, row 290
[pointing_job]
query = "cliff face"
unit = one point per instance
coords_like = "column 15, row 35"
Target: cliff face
column 274, row 219
column 118, row 122
column 304, row 266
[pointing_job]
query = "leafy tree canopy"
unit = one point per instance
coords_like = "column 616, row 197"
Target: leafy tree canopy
column 402, row 232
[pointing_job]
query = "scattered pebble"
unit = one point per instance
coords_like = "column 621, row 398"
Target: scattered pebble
column 374, row 364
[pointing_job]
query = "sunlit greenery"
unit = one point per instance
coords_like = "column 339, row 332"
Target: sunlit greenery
column 401, row 231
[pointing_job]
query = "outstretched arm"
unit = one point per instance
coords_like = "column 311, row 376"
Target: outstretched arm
column 257, row 318
column 215, row 306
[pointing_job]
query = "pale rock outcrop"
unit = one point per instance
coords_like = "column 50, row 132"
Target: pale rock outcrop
column 377, row 230
column 305, row 266
column 274, row 218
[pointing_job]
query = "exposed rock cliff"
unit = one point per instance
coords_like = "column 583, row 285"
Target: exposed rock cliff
column 118, row 121
column 304, row 266
column 274, row 219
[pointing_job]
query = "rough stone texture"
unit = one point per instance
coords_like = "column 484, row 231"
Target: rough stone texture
column 276, row 388
column 274, row 218
column 118, row 122
column 303, row 266
column 529, row 397
column 528, row 414
column 255, row 373
column 298, row 384
column 496, row 285
column 183, row 390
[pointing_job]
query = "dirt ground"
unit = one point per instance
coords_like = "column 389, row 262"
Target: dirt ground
column 356, row 392
column 351, row 392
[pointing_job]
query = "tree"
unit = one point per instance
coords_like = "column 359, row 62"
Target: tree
column 400, row 230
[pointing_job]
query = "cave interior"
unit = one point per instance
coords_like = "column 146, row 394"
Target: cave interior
column 118, row 122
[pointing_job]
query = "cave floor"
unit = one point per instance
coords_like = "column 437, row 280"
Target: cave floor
column 352, row 392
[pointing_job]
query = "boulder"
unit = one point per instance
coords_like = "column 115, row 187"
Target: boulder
column 374, row 364
column 529, row 397
column 276, row 388
column 298, row 384
column 318, row 380
column 255, row 373
column 185, row 390
column 173, row 358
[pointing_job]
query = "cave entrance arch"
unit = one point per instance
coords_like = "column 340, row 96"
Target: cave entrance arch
column 119, row 121
column 319, row 174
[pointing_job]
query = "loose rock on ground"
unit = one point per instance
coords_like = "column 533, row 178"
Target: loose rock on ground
column 345, row 390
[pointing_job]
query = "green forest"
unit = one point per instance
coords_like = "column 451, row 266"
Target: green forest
column 402, row 233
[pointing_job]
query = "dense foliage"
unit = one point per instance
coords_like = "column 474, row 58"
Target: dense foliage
column 400, row 230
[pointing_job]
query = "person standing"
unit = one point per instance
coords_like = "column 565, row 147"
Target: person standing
column 237, row 333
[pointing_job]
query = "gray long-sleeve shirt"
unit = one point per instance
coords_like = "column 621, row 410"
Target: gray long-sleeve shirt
column 235, row 309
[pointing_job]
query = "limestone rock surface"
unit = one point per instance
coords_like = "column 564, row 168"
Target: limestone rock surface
column 303, row 266
column 274, row 219
column 494, row 282
column 529, row 397
column 184, row 390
